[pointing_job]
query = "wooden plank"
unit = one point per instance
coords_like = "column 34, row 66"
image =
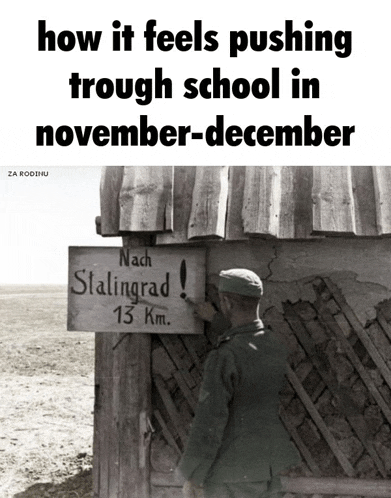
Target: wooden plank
column 189, row 344
column 341, row 486
column 122, row 391
column 382, row 183
column 360, row 331
column 162, row 363
column 179, row 356
column 261, row 200
column 113, row 427
column 345, row 327
column 304, row 451
column 333, row 205
column 121, row 435
column 98, row 427
column 123, row 370
column 185, row 390
column 374, row 488
column 135, row 462
column 177, row 351
column 302, row 188
column 328, row 318
column 296, row 202
column 346, row 406
column 146, row 199
column 364, row 200
column 286, row 228
column 234, row 224
column 135, row 406
column 166, row 433
column 209, row 203
column 103, row 417
column 111, row 433
column 184, row 178
column 110, row 185
column 310, row 407
column 171, row 408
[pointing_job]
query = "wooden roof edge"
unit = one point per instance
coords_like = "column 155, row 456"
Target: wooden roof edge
column 223, row 203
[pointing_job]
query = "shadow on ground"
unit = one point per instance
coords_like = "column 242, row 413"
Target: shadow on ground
column 77, row 486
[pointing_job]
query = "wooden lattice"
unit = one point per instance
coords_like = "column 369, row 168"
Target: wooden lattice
column 335, row 405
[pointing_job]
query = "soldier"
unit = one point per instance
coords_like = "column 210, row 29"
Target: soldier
column 237, row 446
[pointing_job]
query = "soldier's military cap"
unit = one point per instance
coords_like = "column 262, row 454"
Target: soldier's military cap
column 240, row 281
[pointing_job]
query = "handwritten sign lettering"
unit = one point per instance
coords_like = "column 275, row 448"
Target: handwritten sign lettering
column 150, row 290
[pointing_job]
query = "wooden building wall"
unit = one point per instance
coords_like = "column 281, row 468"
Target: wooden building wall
column 336, row 404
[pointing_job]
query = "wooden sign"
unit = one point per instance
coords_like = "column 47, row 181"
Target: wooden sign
column 119, row 289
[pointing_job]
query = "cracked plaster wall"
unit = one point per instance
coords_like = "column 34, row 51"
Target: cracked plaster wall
column 361, row 269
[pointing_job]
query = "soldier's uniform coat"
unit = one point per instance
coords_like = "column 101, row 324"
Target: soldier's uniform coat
column 236, row 435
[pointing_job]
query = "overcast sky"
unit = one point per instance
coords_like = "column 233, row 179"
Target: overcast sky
column 41, row 216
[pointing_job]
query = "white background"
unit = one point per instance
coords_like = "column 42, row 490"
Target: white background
column 40, row 216
column 35, row 89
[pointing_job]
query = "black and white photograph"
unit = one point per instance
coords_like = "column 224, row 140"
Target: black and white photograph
column 246, row 354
